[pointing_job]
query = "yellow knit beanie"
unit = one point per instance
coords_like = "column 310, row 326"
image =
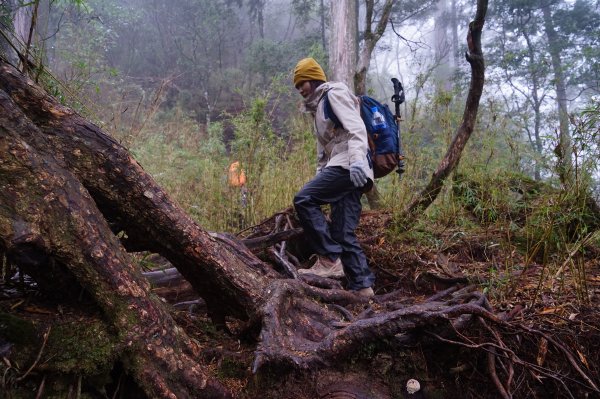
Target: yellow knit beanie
column 308, row 69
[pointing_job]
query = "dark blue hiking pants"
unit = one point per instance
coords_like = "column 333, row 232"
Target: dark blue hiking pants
column 336, row 240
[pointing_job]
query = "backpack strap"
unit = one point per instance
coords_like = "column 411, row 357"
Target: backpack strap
column 328, row 111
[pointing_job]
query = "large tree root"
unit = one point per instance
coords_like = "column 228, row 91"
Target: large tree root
column 324, row 330
column 308, row 328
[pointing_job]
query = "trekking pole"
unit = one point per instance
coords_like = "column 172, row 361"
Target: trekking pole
column 397, row 99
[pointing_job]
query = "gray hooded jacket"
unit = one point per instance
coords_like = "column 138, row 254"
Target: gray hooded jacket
column 339, row 146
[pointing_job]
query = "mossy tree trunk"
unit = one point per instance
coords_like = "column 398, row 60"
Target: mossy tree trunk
column 48, row 217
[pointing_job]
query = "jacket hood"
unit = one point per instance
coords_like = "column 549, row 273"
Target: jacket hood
column 311, row 102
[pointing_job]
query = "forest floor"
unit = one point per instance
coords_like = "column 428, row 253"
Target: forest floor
column 561, row 302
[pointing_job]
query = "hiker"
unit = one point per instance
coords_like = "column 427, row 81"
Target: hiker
column 344, row 171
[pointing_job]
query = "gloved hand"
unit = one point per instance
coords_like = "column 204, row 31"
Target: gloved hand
column 357, row 174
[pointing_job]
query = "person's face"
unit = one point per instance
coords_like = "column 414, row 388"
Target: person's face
column 304, row 88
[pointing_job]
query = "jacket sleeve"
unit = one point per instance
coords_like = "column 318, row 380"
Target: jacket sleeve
column 345, row 106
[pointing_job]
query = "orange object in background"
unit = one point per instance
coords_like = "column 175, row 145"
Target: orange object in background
column 236, row 175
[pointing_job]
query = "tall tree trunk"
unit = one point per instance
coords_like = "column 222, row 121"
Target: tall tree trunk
column 563, row 150
column 343, row 58
column 260, row 19
column 342, row 43
column 322, row 12
column 450, row 161
column 454, row 28
column 442, row 47
column 30, row 24
column 345, row 63
column 7, row 13
column 21, row 24
column 536, row 102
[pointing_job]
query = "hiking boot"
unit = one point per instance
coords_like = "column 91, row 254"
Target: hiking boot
column 365, row 292
column 325, row 267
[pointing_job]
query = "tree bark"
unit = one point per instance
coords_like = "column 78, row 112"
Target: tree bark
column 343, row 41
column 348, row 64
column 536, row 103
column 450, row 161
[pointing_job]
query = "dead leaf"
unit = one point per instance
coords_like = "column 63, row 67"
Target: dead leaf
column 583, row 359
column 542, row 351
column 35, row 309
column 441, row 260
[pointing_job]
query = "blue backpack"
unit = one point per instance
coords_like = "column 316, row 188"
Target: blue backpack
column 384, row 137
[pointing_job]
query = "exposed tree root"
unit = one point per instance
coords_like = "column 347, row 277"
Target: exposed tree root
column 308, row 328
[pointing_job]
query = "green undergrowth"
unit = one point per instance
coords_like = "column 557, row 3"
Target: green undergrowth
column 76, row 347
column 512, row 222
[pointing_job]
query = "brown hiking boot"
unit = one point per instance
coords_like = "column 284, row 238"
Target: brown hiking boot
column 325, row 267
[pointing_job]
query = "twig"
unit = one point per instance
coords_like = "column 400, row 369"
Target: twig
column 46, row 335
column 282, row 250
column 442, row 294
column 515, row 359
column 345, row 312
column 118, row 386
column 292, row 258
column 40, row 390
column 491, row 362
column 568, row 355
column 504, row 389
column 278, row 221
column 78, row 393
column 239, row 233
column 262, row 242
column 591, row 236
column 288, row 268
